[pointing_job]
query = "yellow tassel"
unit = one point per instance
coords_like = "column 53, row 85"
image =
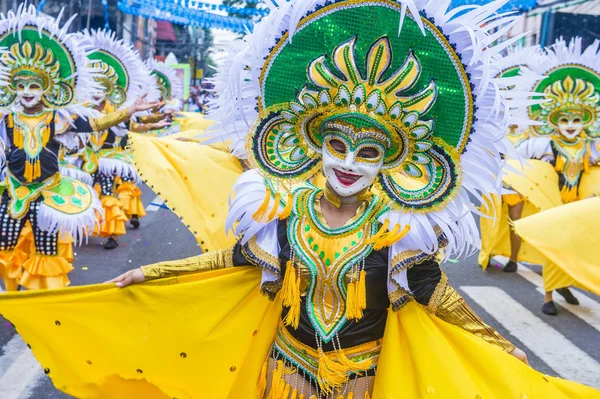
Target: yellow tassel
column 400, row 235
column 330, row 374
column 511, row 199
column 351, row 301
column 301, row 396
column 291, row 295
column 277, row 385
column 313, row 397
column 294, row 394
column 356, row 367
column 28, row 174
column 273, row 212
column 380, row 233
column 586, row 164
column 340, row 397
column 560, row 164
column 286, row 391
column 262, row 380
column 350, row 395
column 385, row 238
column 367, row 396
column 10, row 123
column 288, row 207
column 264, row 207
column 361, row 295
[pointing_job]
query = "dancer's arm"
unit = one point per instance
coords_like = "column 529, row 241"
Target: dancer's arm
column 431, row 289
column 111, row 119
column 213, row 260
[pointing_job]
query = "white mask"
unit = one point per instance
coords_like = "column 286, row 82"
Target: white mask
column 98, row 97
column 570, row 126
column 351, row 164
column 29, row 92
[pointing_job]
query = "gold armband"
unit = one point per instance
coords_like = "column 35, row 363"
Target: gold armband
column 209, row 261
column 448, row 305
column 109, row 120
column 151, row 118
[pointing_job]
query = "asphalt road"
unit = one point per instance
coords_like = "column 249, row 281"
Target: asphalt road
column 565, row 345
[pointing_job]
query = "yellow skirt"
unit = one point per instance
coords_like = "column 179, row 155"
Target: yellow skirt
column 207, row 336
column 568, row 237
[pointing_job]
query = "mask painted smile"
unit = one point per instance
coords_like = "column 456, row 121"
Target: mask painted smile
column 346, row 179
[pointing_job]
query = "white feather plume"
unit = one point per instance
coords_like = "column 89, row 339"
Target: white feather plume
column 473, row 33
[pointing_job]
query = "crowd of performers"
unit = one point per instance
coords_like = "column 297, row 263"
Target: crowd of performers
column 352, row 155
column 68, row 103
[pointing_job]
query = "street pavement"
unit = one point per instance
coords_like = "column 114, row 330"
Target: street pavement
column 565, row 345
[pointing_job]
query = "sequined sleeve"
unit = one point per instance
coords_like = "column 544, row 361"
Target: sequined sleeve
column 447, row 304
column 109, row 120
column 429, row 286
column 209, row 261
column 151, row 118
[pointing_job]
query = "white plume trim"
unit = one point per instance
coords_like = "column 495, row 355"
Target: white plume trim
column 78, row 226
column 112, row 167
column 77, row 174
column 170, row 73
column 472, row 33
column 139, row 79
column 248, row 194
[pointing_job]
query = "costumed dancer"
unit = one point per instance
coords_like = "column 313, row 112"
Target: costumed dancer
column 563, row 152
column 47, row 78
column 360, row 307
column 158, row 124
column 123, row 79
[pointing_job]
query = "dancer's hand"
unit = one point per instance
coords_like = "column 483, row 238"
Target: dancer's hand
column 133, row 276
column 141, row 104
column 519, row 354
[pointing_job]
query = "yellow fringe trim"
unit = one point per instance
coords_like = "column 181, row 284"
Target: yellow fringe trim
column 569, row 194
column 560, row 164
column 356, row 367
column 512, row 199
column 261, row 387
column 331, row 374
column 288, row 207
column 380, row 233
column 264, row 207
column 273, row 212
column 291, row 295
column 351, row 301
column 32, row 171
column 356, row 297
column 278, row 383
column 392, row 237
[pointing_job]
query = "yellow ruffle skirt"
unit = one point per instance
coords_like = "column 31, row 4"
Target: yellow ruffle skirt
column 130, row 197
column 113, row 223
column 207, row 336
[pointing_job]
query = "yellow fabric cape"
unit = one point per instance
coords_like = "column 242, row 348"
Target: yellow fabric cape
column 206, row 336
column 194, row 180
column 568, row 236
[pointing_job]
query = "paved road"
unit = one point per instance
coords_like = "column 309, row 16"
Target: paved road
column 566, row 345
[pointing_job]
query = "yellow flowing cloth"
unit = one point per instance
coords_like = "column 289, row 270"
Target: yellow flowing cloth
column 194, row 180
column 538, row 184
column 568, row 236
column 207, row 335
